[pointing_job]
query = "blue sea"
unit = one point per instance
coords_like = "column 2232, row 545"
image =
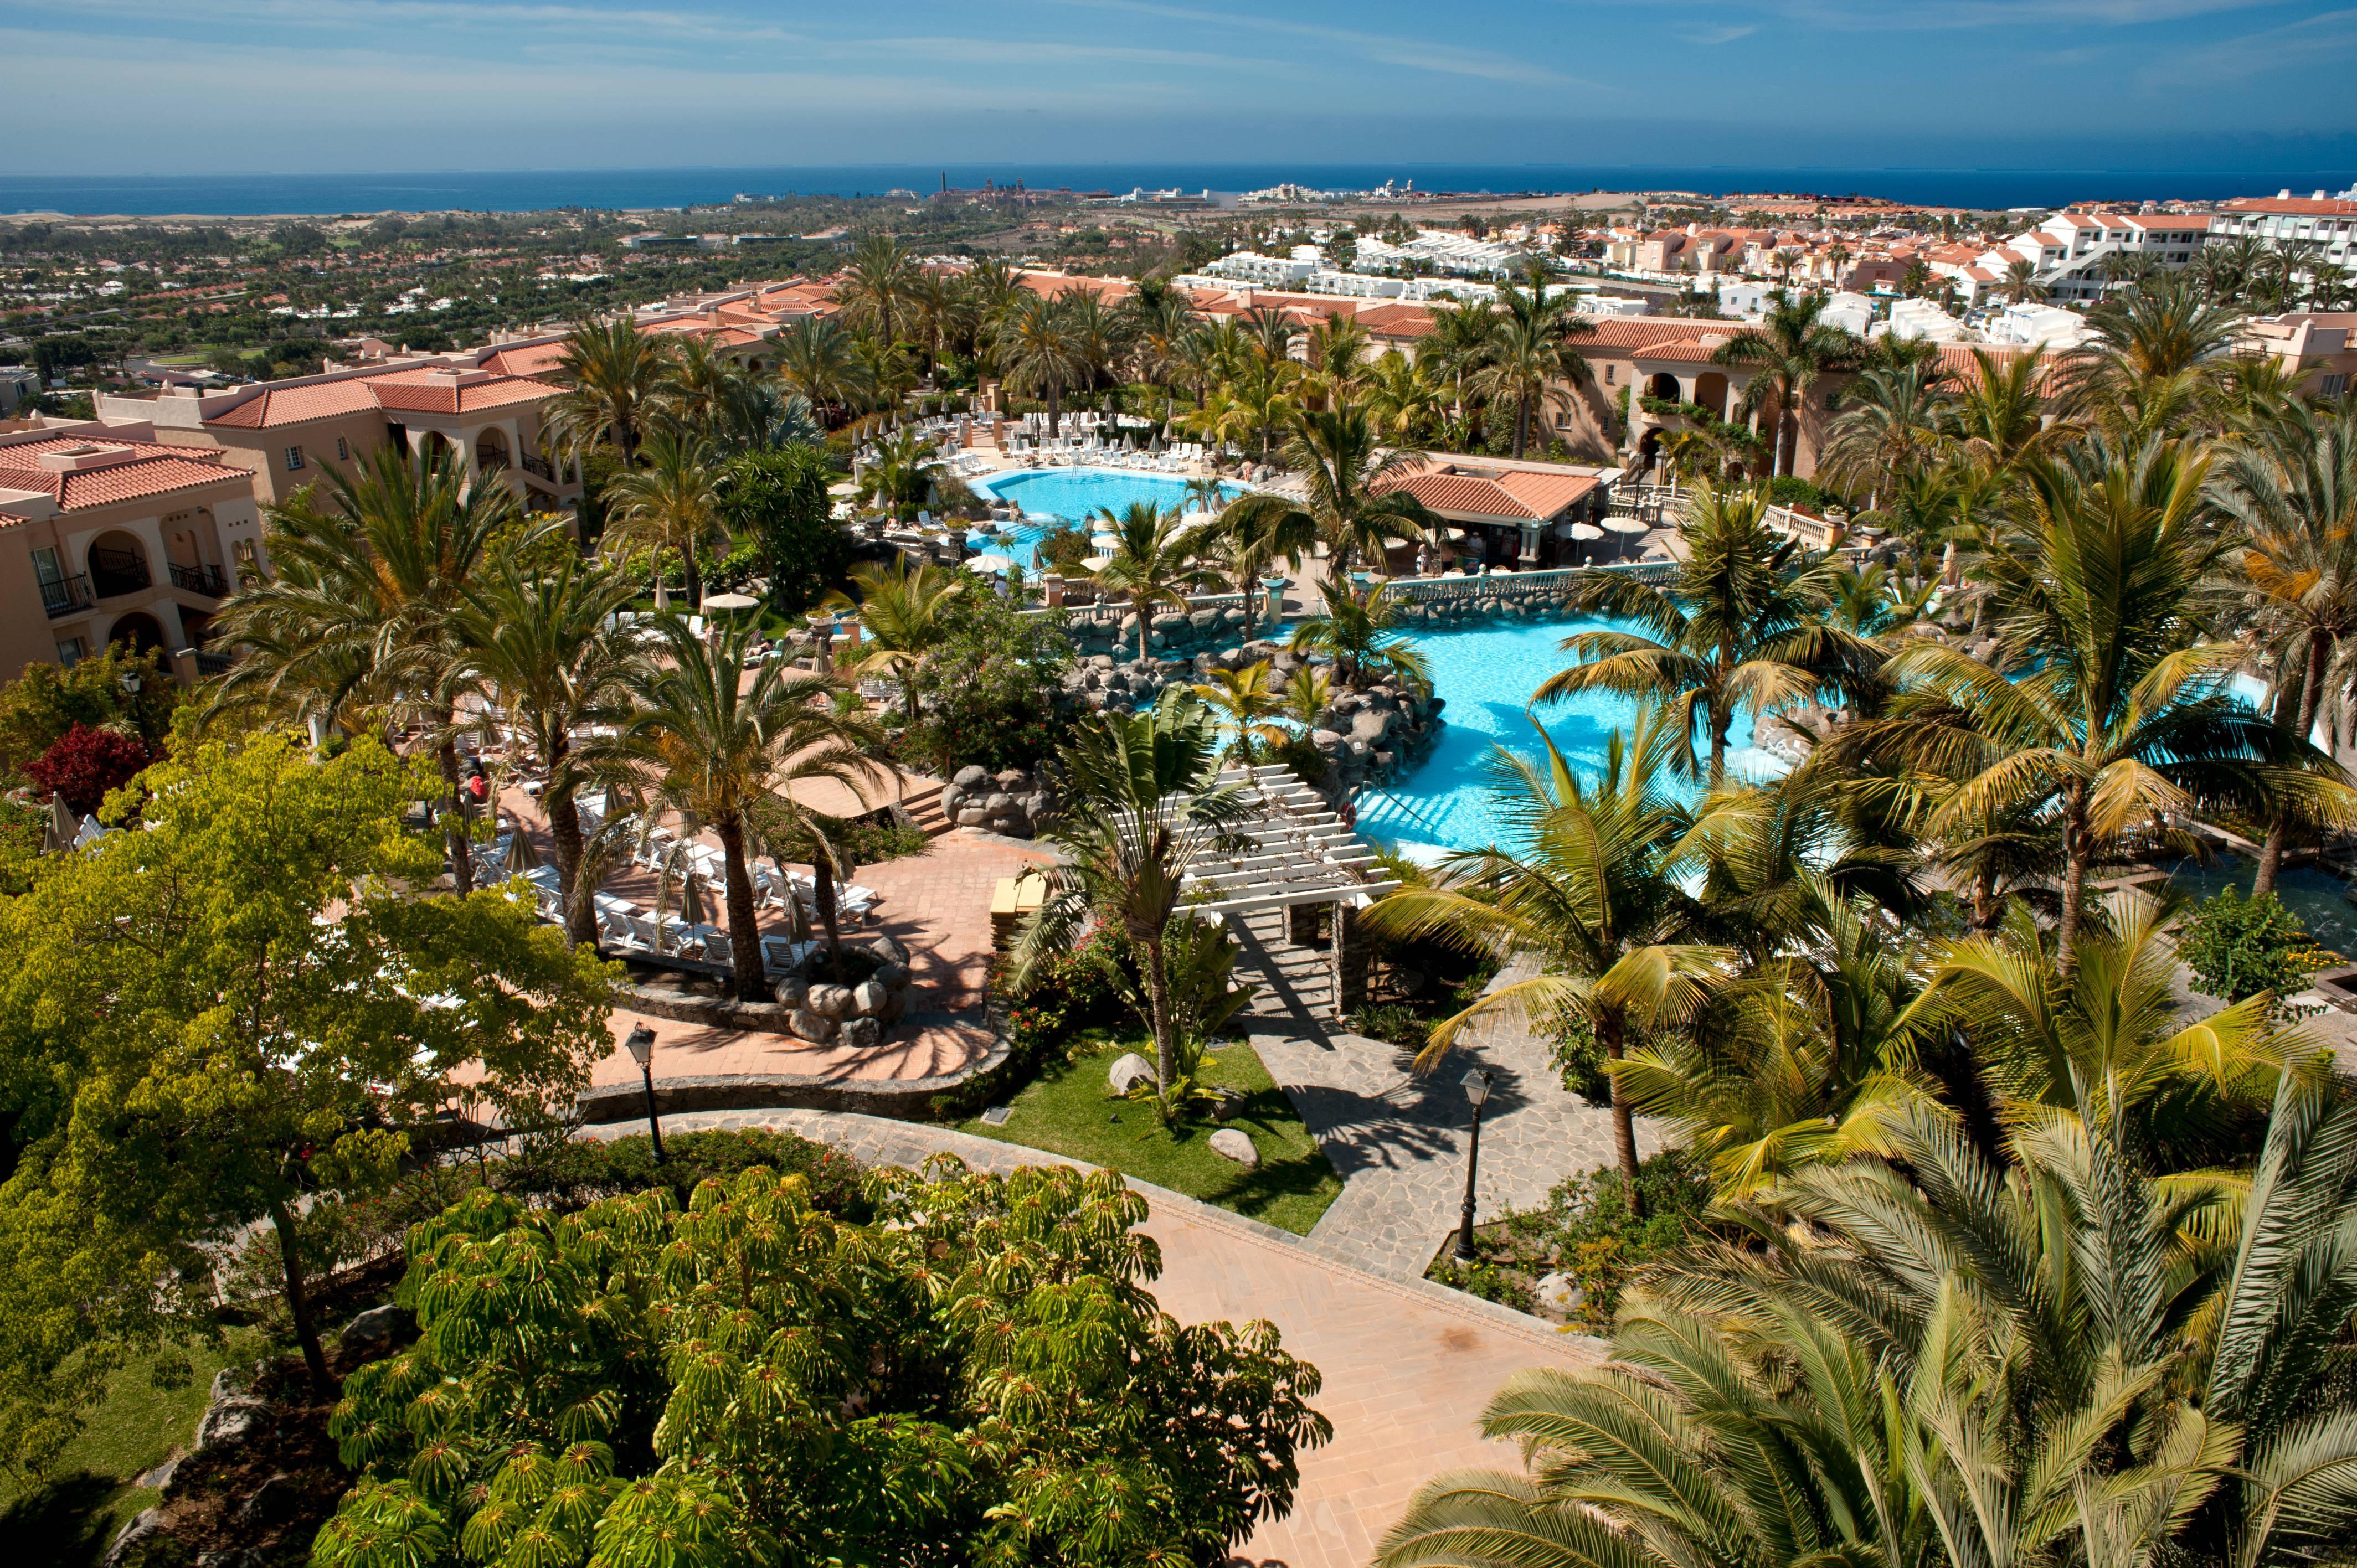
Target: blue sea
column 528, row 190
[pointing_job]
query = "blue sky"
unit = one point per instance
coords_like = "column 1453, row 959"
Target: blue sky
column 208, row 86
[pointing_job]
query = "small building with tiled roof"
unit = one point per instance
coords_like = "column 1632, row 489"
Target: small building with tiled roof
column 108, row 534
column 1503, row 511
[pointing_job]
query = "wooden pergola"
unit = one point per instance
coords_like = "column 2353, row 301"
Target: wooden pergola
column 1296, row 851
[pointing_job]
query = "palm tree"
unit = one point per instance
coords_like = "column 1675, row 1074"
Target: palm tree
column 1357, row 634
column 2021, row 283
column 1789, row 352
column 2118, row 715
column 2155, row 350
column 1591, row 900
column 876, row 286
column 1459, row 345
column 1038, row 353
column 700, row 394
column 1890, row 424
column 1271, row 331
column 1245, row 703
column 1948, row 1359
column 1530, row 360
column 672, row 504
column 1099, row 336
column 1247, row 542
column 1337, row 351
column 613, row 375
column 1151, row 562
column 882, row 370
column 359, row 614
column 816, row 359
column 542, row 643
column 719, row 736
column 1998, row 413
column 940, row 310
column 1141, row 803
column 903, row 614
column 1353, row 503
column 1738, row 623
column 2294, row 499
column 1402, row 398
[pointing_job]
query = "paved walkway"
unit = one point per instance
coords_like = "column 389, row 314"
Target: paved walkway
column 1399, row 1140
column 1407, row 1366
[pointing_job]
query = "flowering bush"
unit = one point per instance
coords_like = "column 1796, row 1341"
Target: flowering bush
column 83, row 764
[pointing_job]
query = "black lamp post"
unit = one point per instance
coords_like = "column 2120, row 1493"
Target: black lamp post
column 1477, row 1089
column 641, row 1043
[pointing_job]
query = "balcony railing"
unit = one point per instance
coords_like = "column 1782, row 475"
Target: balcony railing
column 118, row 572
column 205, row 580
column 211, row 663
column 63, row 595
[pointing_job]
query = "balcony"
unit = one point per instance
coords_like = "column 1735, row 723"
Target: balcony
column 113, row 572
column 205, row 580
column 64, row 596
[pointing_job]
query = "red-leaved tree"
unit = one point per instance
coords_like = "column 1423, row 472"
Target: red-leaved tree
column 83, row 764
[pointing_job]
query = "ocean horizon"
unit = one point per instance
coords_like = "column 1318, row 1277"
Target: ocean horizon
column 528, row 190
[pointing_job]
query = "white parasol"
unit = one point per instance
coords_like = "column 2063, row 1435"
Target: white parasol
column 990, row 560
column 1585, row 531
column 730, row 602
column 1628, row 525
column 1096, row 562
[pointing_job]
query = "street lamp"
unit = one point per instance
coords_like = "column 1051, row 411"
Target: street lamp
column 641, row 1043
column 1477, row 1089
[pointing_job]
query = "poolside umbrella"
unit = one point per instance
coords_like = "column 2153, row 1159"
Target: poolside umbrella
column 1096, row 562
column 1585, row 531
column 1628, row 525
column 730, row 602
column 57, row 833
column 691, row 903
column 615, row 805
column 989, row 562
column 522, row 855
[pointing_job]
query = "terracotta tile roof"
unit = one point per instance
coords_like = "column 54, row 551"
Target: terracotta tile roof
column 1396, row 320
column 530, row 359
column 426, row 391
column 1685, row 350
column 1643, row 332
column 1519, row 496
column 2296, row 206
column 128, row 470
column 274, row 406
column 422, row 391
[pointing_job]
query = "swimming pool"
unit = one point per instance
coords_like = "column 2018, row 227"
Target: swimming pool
column 1486, row 675
column 1050, row 497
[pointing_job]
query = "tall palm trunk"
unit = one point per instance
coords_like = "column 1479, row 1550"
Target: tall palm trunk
column 1055, row 408
column 298, row 1300
column 2077, row 853
column 462, row 856
column 822, row 895
column 565, row 831
column 694, row 576
column 2311, row 696
column 1521, row 428
column 1166, row 1036
column 1612, row 1032
column 744, row 920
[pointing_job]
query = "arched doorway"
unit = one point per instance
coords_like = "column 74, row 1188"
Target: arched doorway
column 1649, row 451
column 1710, row 391
column 435, row 444
column 1665, row 387
column 138, row 631
column 491, row 450
column 118, row 563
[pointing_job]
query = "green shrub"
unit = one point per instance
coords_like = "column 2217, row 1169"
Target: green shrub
column 987, row 690
column 1586, row 1229
column 2238, row 948
column 579, row 1172
column 1791, row 489
column 1579, row 1056
column 778, row 501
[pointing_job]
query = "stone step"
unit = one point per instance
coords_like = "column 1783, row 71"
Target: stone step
column 924, row 808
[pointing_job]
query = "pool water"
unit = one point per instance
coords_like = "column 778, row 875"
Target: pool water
column 1050, row 497
column 1486, row 675
column 2312, row 895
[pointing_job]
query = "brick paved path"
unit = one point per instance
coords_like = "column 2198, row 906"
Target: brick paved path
column 1407, row 1365
column 1399, row 1140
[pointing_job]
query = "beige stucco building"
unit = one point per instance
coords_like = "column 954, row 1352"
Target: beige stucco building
column 292, row 432
column 108, row 534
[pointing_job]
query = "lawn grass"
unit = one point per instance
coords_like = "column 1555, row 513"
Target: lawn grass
column 71, row 1516
column 1068, row 1112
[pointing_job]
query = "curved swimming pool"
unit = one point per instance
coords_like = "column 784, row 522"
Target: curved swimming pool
column 1053, row 497
column 1486, row 675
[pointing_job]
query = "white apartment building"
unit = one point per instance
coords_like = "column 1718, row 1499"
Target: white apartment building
column 2069, row 250
column 2330, row 223
column 1269, row 272
column 1445, row 250
column 2031, row 324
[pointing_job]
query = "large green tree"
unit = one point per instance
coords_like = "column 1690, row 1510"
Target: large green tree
column 209, row 1019
column 979, row 1375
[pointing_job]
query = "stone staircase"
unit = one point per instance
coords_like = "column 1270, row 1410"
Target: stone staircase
column 1293, row 980
column 924, row 808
